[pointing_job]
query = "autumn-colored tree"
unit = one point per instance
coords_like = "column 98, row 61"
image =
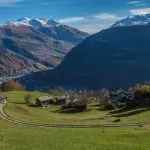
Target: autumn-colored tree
column 104, row 97
column 12, row 86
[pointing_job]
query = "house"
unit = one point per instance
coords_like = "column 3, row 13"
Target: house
column 60, row 100
column 79, row 104
column 3, row 99
column 122, row 98
column 44, row 101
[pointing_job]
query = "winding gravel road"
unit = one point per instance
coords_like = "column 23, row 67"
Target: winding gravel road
column 30, row 124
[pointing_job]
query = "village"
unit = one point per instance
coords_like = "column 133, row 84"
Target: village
column 103, row 112
column 80, row 100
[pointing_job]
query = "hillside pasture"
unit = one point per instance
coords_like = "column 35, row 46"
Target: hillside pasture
column 16, row 108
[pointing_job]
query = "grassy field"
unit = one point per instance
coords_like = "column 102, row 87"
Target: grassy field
column 16, row 137
column 17, row 108
column 19, row 137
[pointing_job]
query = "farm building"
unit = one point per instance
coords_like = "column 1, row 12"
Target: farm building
column 122, row 98
column 61, row 100
column 79, row 104
column 3, row 99
column 44, row 101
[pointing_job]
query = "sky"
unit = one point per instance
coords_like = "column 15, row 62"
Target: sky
column 87, row 15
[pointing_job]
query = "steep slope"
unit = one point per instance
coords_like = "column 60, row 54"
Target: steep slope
column 32, row 46
column 53, row 29
column 112, row 58
column 19, row 64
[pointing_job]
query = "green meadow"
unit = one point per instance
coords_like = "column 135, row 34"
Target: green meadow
column 20, row 137
column 16, row 137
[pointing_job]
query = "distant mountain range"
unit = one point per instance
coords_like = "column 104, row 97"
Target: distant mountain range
column 134, row 20
column 113, row 58
column 28, row 45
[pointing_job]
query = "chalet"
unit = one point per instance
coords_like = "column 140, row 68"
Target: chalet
column 79, row 104
column 44, row 101
column 122, row 99
column 61, row 100
column 3, row 99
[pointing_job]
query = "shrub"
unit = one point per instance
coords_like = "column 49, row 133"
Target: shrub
column 142, row 94
column 27, row 98
column 12, row 86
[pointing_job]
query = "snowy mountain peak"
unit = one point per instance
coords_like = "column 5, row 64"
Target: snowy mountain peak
column 134, row 20
column 36, row 22
column 52, row 22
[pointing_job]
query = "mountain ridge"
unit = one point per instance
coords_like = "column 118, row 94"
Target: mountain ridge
column 38, row 45
column 133, row 21
column 102, row 61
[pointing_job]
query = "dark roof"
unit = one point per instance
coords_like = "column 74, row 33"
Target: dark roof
column 44, row 99
column 78, row 102
column 61, row 97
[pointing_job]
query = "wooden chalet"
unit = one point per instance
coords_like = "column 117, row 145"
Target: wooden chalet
column 79, row 104
column 61, row 100
column 44, row 101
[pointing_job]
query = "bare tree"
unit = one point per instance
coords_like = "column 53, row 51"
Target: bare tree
column 27, row 98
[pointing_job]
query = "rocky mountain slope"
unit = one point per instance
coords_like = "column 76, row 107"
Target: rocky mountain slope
column 113, row 58
column 31, row 44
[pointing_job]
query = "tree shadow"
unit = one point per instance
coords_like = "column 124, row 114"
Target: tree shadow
column 121, row 110
column 132, row 113
column 32, row 105
column 22, row 103
column 70, row 111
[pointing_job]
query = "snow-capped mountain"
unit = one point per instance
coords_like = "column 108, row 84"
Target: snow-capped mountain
column 27, row 42
column 37, row 22
column 52, row 29
column 134, row 20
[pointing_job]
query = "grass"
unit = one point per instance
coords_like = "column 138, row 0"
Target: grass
column 17, row 108
column 19, row 137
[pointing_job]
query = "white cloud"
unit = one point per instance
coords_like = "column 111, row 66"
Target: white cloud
column 140, row 4
column 9, row 2
column 134, row 2
column 71, row 20
column 93, row 23
column 140, row 11
column 90, row 28
column 105, row 16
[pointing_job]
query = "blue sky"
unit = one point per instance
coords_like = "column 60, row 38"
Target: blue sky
column 88, row 15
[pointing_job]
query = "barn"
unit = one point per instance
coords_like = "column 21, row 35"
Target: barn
column 60, row 100
column 44, row 101
column 79, row 104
